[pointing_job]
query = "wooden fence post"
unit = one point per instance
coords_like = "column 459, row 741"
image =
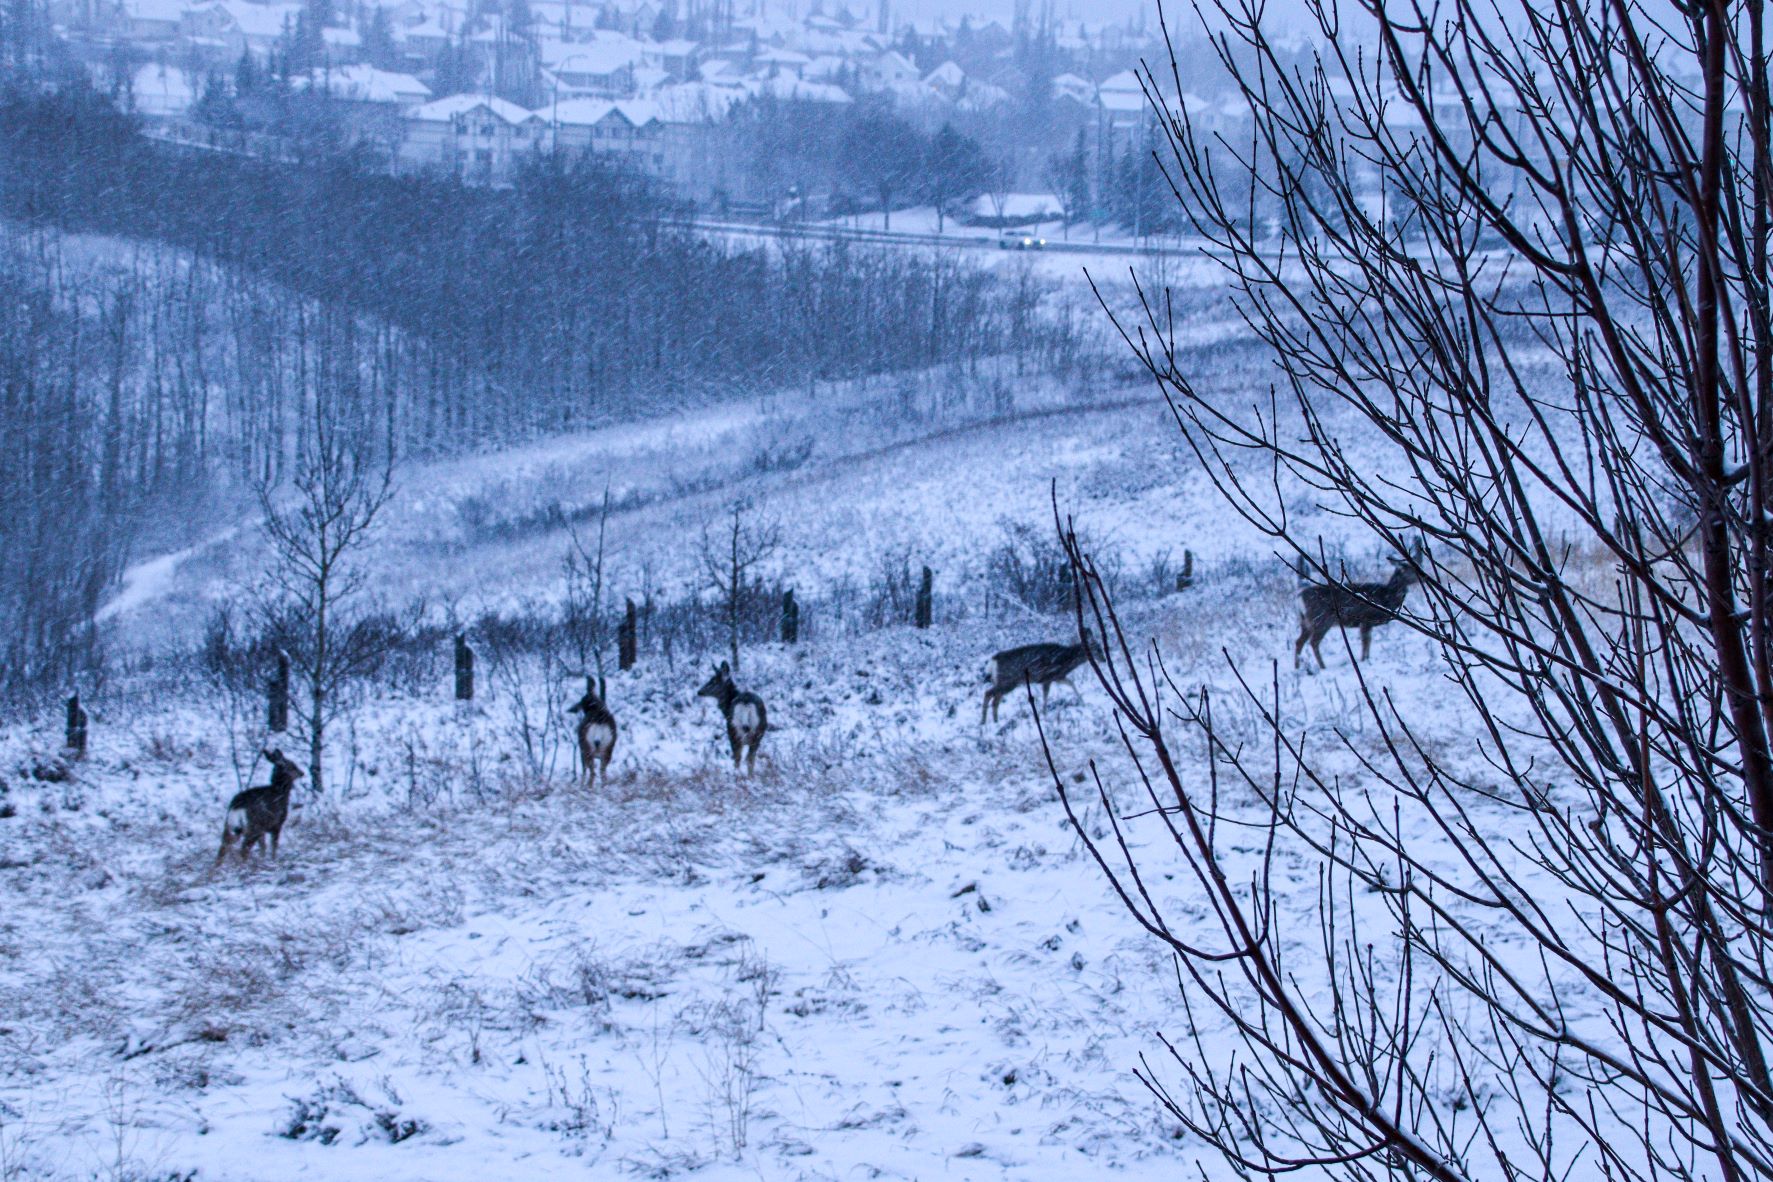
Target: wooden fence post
column 464, row 669
column 277, row 698
column 925, row 599
column 1185, row 579
column 76, row 735
column 790, row 618
column 627, row 636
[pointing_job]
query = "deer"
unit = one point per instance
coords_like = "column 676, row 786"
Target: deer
column 260, row 812
column 1036, row 664
column 596, row 731
column 746, row 717
column 1366, row 606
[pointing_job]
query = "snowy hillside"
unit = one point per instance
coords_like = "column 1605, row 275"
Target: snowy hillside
column 886, row 956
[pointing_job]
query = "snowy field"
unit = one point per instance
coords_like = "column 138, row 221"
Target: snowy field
column 886, row 956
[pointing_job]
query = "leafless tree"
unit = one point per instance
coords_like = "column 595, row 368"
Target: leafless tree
column 340, row 479
column 731, row 553
column 583, row 614
column 1524, row 251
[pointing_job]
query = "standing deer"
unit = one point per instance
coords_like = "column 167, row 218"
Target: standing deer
column 746, row 717
column 258, row 813
column 597, row 731
column 1353, row 605
column 1037, row 664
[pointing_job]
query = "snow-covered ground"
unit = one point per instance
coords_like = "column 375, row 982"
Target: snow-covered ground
column 885, row 956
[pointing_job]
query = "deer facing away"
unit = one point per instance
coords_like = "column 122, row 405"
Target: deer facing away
column 596, row 731
column 258, row 813
column 1036, row 664
column 1353, row 605
column 746, row 717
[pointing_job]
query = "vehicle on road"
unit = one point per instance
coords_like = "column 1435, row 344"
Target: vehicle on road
column 1020, row 240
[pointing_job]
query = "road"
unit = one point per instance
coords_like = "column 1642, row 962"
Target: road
column 838, row 233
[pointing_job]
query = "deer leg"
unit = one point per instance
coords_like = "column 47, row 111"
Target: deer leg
column 732, row 737
column 276, row 836
column 1317, row 647
column 1366, row 640
column 1299, row 645
column 985, row 708
column 751, row 757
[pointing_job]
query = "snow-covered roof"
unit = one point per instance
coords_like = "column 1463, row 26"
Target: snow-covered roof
column 696, row 102
column 782, row 57
column 445, row 109
column 255, row 20
column 1073, row 87
column 599, row 57
column 1120, row 100
column 982, row 96
column 892, row 59
column 1125, row 82
column 365, row 84
column 790, row 89
column 588, row 112
column 947, row 74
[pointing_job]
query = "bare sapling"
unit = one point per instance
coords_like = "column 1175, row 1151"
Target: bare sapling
column 340, row 481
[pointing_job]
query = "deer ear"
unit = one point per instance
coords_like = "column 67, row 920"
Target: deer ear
column 271, row 754
column 724, row 668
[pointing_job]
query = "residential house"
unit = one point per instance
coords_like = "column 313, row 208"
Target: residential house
column 479, row 138
column 947, row 80
column 678, row 58
column 228, row 28
column 627, row 129
column 366, row 84
column 780, row 63
column 154, row 20
column 603, row 68
column 885, row 69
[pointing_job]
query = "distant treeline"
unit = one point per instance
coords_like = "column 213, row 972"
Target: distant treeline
column 541, row 306
column 258, row 294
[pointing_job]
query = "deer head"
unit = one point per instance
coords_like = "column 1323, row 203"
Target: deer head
column 282, row 767
column 717, row 684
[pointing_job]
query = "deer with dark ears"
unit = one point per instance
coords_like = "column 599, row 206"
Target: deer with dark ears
column 258, row 813
column 1366, row 606
column 596, row 731
column 746, row 716
column 1034, row 664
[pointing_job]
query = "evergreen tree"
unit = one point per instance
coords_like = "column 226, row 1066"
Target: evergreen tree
column 378, row 40
column 955, row 168
column 246, row 75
